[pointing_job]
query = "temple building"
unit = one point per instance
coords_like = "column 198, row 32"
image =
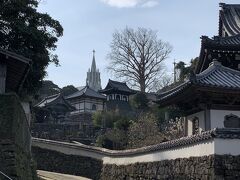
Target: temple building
column 53, row 109
column 93, row 76
column 117, row 96
column 210, row 97
column 225, row 46
column 86, row 102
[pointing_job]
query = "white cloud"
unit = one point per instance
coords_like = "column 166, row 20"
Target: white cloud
column 150, row 4
column 131, row 3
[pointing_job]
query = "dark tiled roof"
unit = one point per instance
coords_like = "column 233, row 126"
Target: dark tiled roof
column 219, row 76
column 47, row 100
column 207, row 135
column 216, row 76
column 229, row 19
column 16, row 56
column 222, row 41
column 86, row 91
column 173, row 91
column 229, row 22
column 117, row 86
column 53, row 100
column 17, row 69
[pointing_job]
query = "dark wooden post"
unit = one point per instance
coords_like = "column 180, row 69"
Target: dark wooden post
column 3, row 74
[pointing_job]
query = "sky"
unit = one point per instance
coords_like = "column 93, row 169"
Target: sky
column 89, row 24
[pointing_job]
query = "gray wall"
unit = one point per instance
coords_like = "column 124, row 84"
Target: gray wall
column 15, row 155
column 69, row 164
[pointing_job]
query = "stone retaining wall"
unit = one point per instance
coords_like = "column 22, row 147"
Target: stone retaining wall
column 200, row 156
column 207, row 167
column 69, row 164
column 15, row 155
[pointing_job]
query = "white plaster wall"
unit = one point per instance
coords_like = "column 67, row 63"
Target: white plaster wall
column 227, row 146
column 67, row 149
column 88, row 105
column 203, row 149
column 195, row 150
column 189, row 124
column 81, row 105
column 217, row 117
column 201, row 117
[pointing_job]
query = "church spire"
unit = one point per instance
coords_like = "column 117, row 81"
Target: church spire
column 93, row 76
column 93, row 68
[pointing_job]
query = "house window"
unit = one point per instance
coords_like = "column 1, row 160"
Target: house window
column 195, row 125
column 110, row 97
column 94, row 107
column 231, row 121
column 117, row 97
column 125, row 98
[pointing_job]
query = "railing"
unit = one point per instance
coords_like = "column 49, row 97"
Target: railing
column 6, row 176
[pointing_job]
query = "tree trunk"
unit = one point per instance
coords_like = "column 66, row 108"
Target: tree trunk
column 142, row 86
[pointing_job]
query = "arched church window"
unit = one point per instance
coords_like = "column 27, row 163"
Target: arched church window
column 231, row 121
column 125, row 98
column 117, row 97
column 195, row 125
column 94, row 107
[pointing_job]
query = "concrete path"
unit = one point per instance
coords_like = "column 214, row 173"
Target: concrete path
column 57, row 176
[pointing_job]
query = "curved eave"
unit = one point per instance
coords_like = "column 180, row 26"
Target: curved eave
column 229, row 17
column 85, row 96
column 112, row 90
column 57, row 105
column 212, row 45
column 171, row 96
column 188, row 93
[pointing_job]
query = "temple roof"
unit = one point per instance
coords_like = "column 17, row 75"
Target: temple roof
column 216, row 76
column 216, row 45
column 229, row 19
column 86, row 92
column 53, row 100
column 47, row 100
column 17, row 69
column 228, row 39
column 117, row 86
column 222, row 41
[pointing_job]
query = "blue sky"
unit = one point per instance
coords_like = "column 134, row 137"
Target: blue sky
column 89, row 24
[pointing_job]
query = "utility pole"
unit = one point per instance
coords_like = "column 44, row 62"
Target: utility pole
column 174, row 71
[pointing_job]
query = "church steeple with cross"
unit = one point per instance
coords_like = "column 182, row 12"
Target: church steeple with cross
column 93, row 76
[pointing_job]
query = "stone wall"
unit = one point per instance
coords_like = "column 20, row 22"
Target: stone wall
column 207, row 167
column 70, row 164
column 202, row 156
column 15, row 154
column 62, row 132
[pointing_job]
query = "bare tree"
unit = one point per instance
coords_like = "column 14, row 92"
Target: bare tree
column 137, row 56
column 166, row 80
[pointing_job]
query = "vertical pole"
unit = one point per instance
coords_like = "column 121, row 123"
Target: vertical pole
column 174, row 71
column 3, row 74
